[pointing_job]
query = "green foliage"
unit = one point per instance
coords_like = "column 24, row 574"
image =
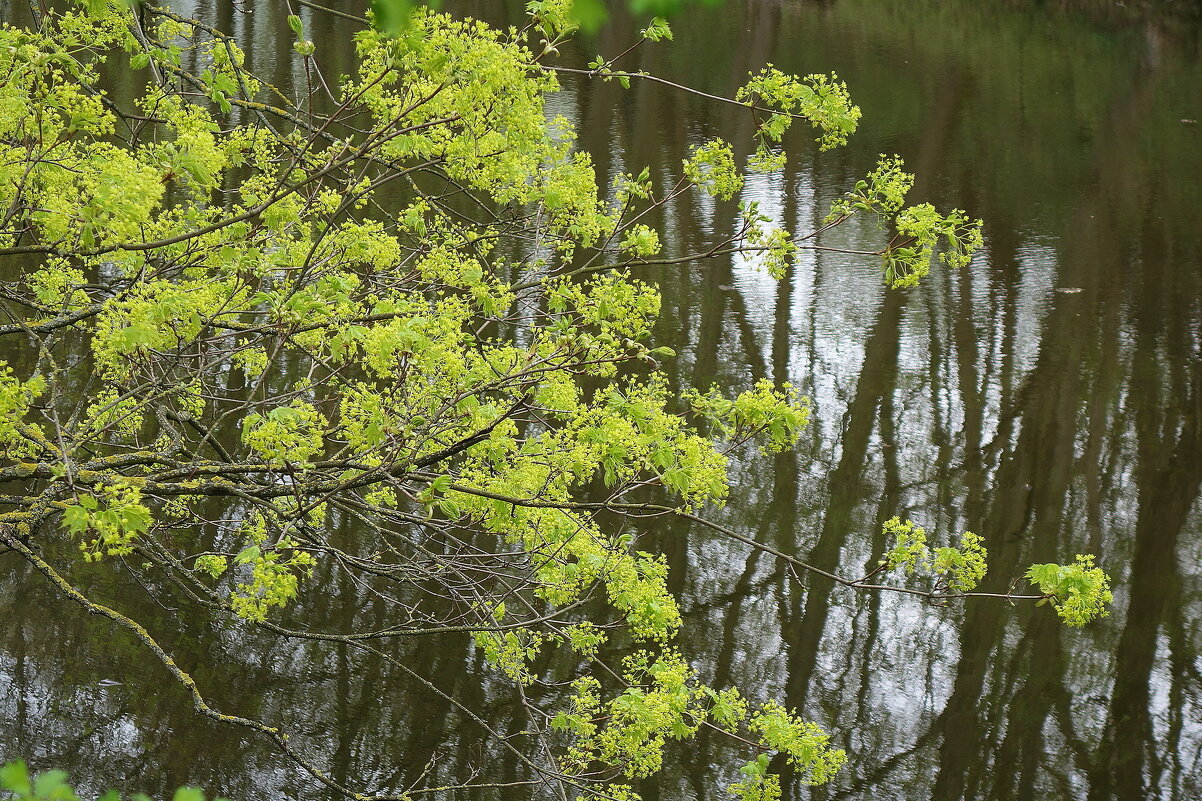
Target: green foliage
column 712, row 168
column 918, row 230
column 664, row 701
column 757, row 783
column 909, row 544
column 213, row 564
column 59, row 287
column 958, row 570
column 803, row 743
column 18, row 438
column 113, row 521
column 776, row 248
column 391, row 17
column 781, row 414
column 963, row 566
column 274, row 570
column 823, row 100
column 563, row 16
column 1079, row 592
column 285, row 435
column 48, row 786
column 418, row 318
column 657, row 30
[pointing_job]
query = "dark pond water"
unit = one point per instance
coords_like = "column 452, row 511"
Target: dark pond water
column 1048, row 397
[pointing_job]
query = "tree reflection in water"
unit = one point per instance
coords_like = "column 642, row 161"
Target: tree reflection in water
column 1050, row 422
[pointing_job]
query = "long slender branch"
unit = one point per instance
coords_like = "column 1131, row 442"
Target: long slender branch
column 656, row 509
column 674, row 85
column 199, row 703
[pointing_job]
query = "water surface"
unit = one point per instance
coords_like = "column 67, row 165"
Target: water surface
column 1047, row 397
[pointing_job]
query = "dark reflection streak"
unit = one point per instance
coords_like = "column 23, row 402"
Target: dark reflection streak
column 711, row 316
column 1003, row 525
column 223, row 15
column 1040, row 678
column 864, row 638
column 802, row 321
column 732, row 634
column 1003, row 256
column 351, row 714
column 812, row 375
column 1169, row 475
column 1003, row 250
column 1104, row 417
column 803, row 620
column 469, row 753
column 936, row 396
column 783, row 325
column 865, row 786
column 865, row 635
column 1062, row 706
column 764, row 585
column 867, row 632
column 980, row 344
column 518, row 723
column 432, row 714
column 1181, row 656
column 971, row 388
column 753, row 361
column 870, row 633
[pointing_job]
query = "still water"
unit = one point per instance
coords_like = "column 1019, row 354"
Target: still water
column 1047, row 397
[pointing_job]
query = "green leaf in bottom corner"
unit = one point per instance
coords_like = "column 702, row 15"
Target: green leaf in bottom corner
column 52, row 786
column 14, row 777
